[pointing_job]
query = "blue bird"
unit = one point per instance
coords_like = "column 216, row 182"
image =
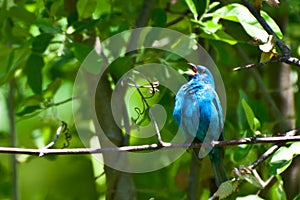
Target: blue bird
column 198, row 113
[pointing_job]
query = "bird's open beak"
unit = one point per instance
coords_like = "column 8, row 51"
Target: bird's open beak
column 191, row 72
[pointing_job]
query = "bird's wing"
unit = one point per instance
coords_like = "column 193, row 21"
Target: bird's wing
column 211, row 113
column 216, row 121
column 185, row 110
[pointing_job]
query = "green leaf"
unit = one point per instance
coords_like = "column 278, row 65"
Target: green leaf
column 21, row 14
column 47, row 26
column 192, row 7
column 29, row 110
column 238, row 13
column 209, row 26
column 220, row 35
column 41, row 42
column 120, row 66
column 281, row 160
column 33, row 71
column 226, row 189
column 249, row 114
column 81, row 51
column 249, row 197
column 34, row 100
column 31, row 106
column 256, row 125
column 241, row 151
column 15, row 60
column 242, row 120
column 212, row 5
column 86, row 8
column 279, row 189
column 295, row 148
column 93, row 63
column 158, row 17
column 52, row 89
column 297, row 197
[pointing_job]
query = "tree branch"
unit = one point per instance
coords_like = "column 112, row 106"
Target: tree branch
column 283, row 48
column 286, row 52
column 252, row 140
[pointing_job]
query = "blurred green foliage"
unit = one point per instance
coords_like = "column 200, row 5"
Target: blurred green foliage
column 44, row 42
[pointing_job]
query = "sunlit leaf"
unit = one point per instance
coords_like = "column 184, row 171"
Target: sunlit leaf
column 264, row 57
column 226, row 189
column 86, row 8
column 295, row 148
column 209, row 26
column 254, row 124
column 249, row 197
column 281, row 160
column 219, row 35
column 239, row 13
column 192, row 7
column 268, row 49
column 212, row 5
column 250, row 176
column 269, row 45
column 242, row 120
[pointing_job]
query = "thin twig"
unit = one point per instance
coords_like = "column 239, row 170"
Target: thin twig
column 288, row 60
column 257, row 64
column 61, row 102
column 160, row 142
column 264, row 156
column 275, row 111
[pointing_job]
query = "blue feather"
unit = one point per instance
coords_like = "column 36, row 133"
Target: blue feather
column 198, row 113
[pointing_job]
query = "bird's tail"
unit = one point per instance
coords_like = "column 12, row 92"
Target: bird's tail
column 218, row 167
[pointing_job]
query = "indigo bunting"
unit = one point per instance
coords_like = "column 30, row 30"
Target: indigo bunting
column 198, row 113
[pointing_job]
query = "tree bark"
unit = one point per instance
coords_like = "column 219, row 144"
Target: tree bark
column 119, row 184
column 284, row 97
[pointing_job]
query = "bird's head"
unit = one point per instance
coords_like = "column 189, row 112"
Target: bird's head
column 201, row 74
